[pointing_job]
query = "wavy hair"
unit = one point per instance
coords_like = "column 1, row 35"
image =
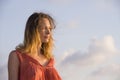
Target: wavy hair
column 32, row 37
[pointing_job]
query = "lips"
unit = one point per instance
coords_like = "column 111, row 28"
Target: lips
column 46, row 37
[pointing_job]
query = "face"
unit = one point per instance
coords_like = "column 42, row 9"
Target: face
column 44, row 30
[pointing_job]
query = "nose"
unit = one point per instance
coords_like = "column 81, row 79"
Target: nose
column 47, row 31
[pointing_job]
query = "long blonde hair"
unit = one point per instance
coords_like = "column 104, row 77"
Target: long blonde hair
column 32, row 37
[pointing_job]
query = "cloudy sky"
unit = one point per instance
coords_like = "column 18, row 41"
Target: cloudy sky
column 87, row 37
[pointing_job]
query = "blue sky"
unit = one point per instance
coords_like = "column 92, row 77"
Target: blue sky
column 86, row 38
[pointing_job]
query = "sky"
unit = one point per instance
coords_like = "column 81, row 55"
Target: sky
column 87, row 36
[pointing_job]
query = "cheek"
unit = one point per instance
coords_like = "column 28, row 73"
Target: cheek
column 42, row 33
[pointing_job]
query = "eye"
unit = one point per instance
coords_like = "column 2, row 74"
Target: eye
column 41, row 28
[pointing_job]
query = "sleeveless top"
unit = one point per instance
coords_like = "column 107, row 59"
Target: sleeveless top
column 31, row 69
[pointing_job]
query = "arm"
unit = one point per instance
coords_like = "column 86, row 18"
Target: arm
column 13, row 66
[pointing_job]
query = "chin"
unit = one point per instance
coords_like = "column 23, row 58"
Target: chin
column 46, row 41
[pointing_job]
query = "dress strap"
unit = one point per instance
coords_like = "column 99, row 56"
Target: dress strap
column 19, row 55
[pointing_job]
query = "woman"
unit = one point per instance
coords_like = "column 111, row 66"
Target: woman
column 33, row 60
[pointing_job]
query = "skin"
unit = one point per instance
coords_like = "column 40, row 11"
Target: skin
column 13, row 65
column 13, row 61
column 45, row 30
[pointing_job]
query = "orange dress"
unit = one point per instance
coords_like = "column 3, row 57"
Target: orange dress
column 31, row 69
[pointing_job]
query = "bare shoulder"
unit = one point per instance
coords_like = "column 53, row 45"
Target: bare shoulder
column 13, row 57
column 12, row 54
column 13, row 66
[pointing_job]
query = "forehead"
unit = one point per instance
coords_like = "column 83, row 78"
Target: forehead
column 44, row 22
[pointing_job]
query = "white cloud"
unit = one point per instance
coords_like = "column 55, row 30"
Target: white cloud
column 98, row 50
column 112, row 69
column 108, row 72
column 99, row 63
column 106, row 44
column 67, row 53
